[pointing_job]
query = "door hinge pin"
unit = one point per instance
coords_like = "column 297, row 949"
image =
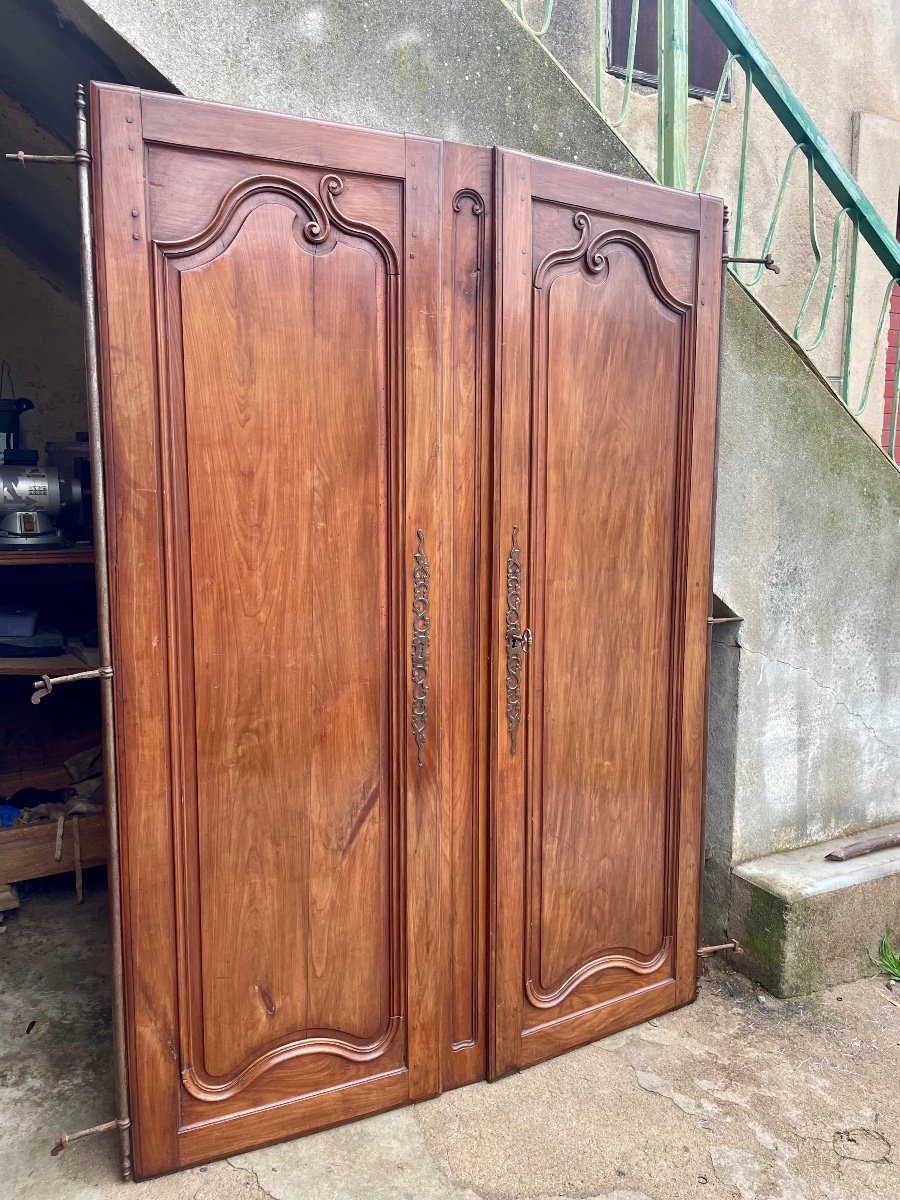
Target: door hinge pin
column 45, row 684
column 705, row 951
column 21, row 157
column 768, row 262
column 66, row 1139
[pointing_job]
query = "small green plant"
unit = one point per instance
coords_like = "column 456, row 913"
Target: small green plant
column 887, row 959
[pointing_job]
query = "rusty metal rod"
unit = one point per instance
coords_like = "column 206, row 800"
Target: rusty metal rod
column 21, row 157
column 705, row 951
column 92, row 374
column 768, row 262
column 47, row 683
column 65, row 1139
column 884, row 841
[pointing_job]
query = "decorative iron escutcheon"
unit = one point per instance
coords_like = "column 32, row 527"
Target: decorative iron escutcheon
column 516, row 642
column 421, row 647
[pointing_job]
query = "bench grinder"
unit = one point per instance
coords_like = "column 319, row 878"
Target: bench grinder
column 31, row 497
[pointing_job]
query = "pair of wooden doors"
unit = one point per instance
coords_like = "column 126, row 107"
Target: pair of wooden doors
column 410, row 457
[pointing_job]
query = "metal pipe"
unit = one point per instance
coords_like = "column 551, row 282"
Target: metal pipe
column 672, row 93
column 92, row 373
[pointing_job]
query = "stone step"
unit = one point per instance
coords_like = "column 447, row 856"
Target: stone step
column 805, row 923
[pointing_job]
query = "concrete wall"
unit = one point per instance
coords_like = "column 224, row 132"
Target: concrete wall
column 40, row 311
column 805, row 737
column 808, row 552
column 41, row 338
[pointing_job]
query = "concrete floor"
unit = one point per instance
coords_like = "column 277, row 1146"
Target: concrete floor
column 739, row 1095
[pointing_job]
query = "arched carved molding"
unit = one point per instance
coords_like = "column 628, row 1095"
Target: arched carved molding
column 325, row 1042
column 591, row 252
column 244, row 197
column 630, row 962
column 469, row 194
column 321, row 212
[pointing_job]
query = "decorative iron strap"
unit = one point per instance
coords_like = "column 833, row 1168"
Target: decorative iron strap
column 513, row 639
column 421, row 647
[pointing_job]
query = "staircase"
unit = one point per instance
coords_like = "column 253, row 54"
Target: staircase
column 805, row 700
column 836, row 307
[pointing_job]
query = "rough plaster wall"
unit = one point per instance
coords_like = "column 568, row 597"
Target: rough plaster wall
column 461, row 70
column 807, row 545
column 41, row 338
column 808, row 552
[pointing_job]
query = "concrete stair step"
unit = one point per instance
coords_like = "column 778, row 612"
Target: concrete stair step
column 805, row 922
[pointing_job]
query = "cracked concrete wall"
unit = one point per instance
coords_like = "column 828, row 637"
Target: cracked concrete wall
column 807, row 516
column 806, row 546
column 464, row 70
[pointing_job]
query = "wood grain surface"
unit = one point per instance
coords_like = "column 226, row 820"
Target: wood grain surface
column 340, row 368
column 608, row 322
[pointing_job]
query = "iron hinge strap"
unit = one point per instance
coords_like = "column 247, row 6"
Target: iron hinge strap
column 45, row 684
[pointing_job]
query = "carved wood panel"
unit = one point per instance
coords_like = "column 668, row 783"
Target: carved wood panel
column 294, row 448
column 599, row 559
column 307, row 778
column 410, row 449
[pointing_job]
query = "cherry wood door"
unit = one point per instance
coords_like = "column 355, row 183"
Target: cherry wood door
column 270, row 327
column 607, row 341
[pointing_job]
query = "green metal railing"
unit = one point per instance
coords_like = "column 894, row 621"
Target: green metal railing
column 856, row 217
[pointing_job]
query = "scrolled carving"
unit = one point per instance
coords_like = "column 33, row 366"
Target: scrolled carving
column 331, row 186
column 513, row 639
column 421, row 647
column 594, row 258
column 565, row 254
column 315, row 230
column 469, row 194
column 593, row 253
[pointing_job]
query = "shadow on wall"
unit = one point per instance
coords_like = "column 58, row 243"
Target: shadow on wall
column 724, row 665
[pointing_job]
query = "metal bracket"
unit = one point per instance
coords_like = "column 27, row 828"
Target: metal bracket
column 21, row 157
column 45, row 684
column 768, row 262
column 706, row 951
